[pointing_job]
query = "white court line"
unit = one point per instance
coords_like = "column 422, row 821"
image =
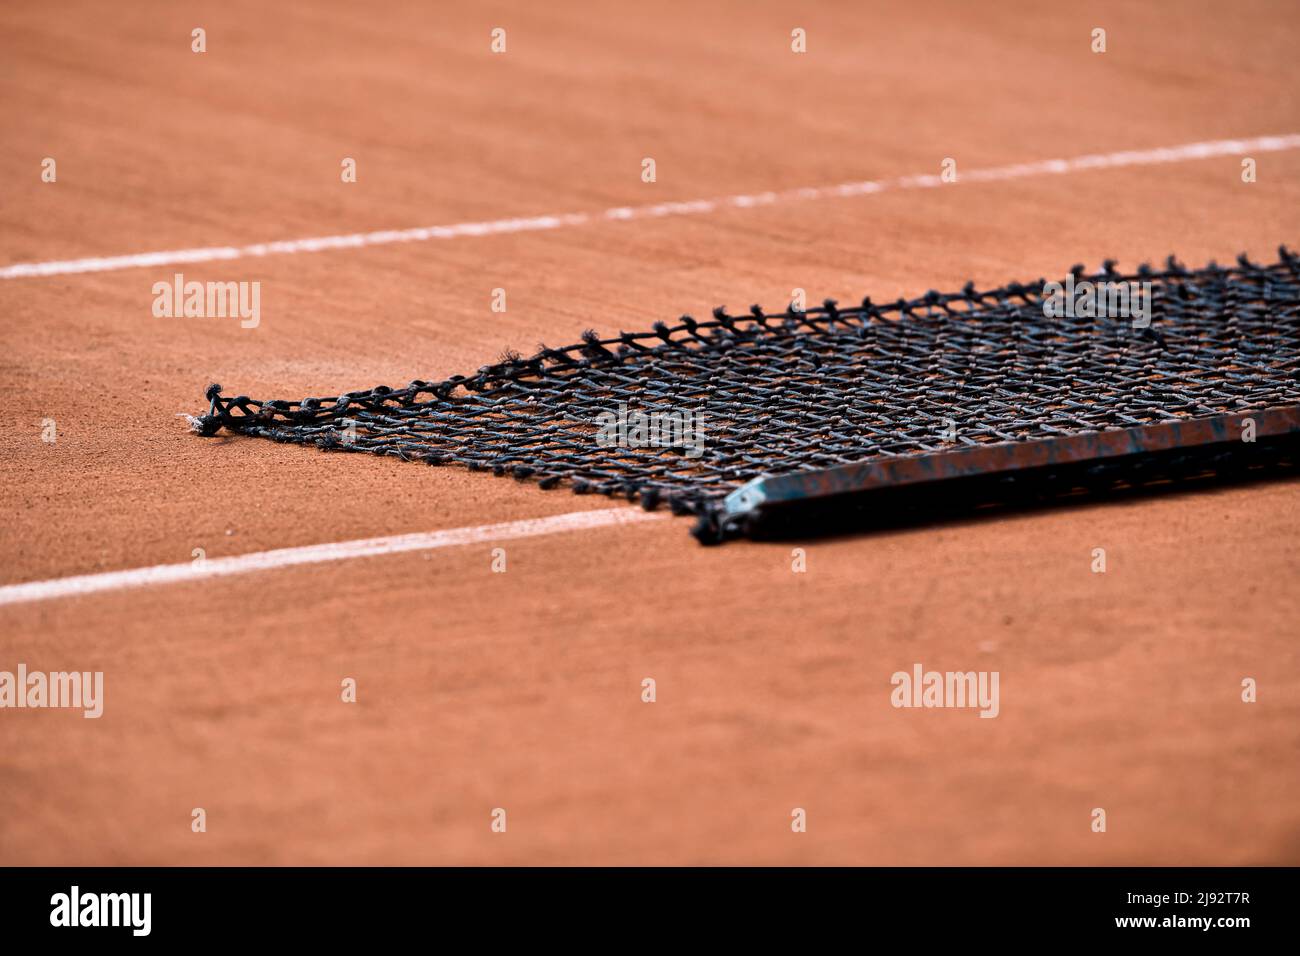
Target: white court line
column 316, row 553
column 1048, row 167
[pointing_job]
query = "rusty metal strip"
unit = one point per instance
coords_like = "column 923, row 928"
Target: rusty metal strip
column 1006, row 457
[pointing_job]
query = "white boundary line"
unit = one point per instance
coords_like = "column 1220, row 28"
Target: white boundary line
column 1048, row 167
column 316, row 553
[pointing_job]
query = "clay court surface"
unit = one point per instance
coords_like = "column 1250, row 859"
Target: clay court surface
column 521, row 690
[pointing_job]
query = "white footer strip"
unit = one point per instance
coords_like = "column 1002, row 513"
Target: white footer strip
column 1047, row 167
column 315, row 553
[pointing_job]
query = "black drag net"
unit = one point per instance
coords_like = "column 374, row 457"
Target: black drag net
column 739, row 396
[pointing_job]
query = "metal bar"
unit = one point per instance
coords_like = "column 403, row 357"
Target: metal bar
column 1005, row 457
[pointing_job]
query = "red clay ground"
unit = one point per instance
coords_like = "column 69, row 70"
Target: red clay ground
column 522, row 690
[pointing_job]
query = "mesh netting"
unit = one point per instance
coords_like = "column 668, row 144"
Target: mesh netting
column 801, row 390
